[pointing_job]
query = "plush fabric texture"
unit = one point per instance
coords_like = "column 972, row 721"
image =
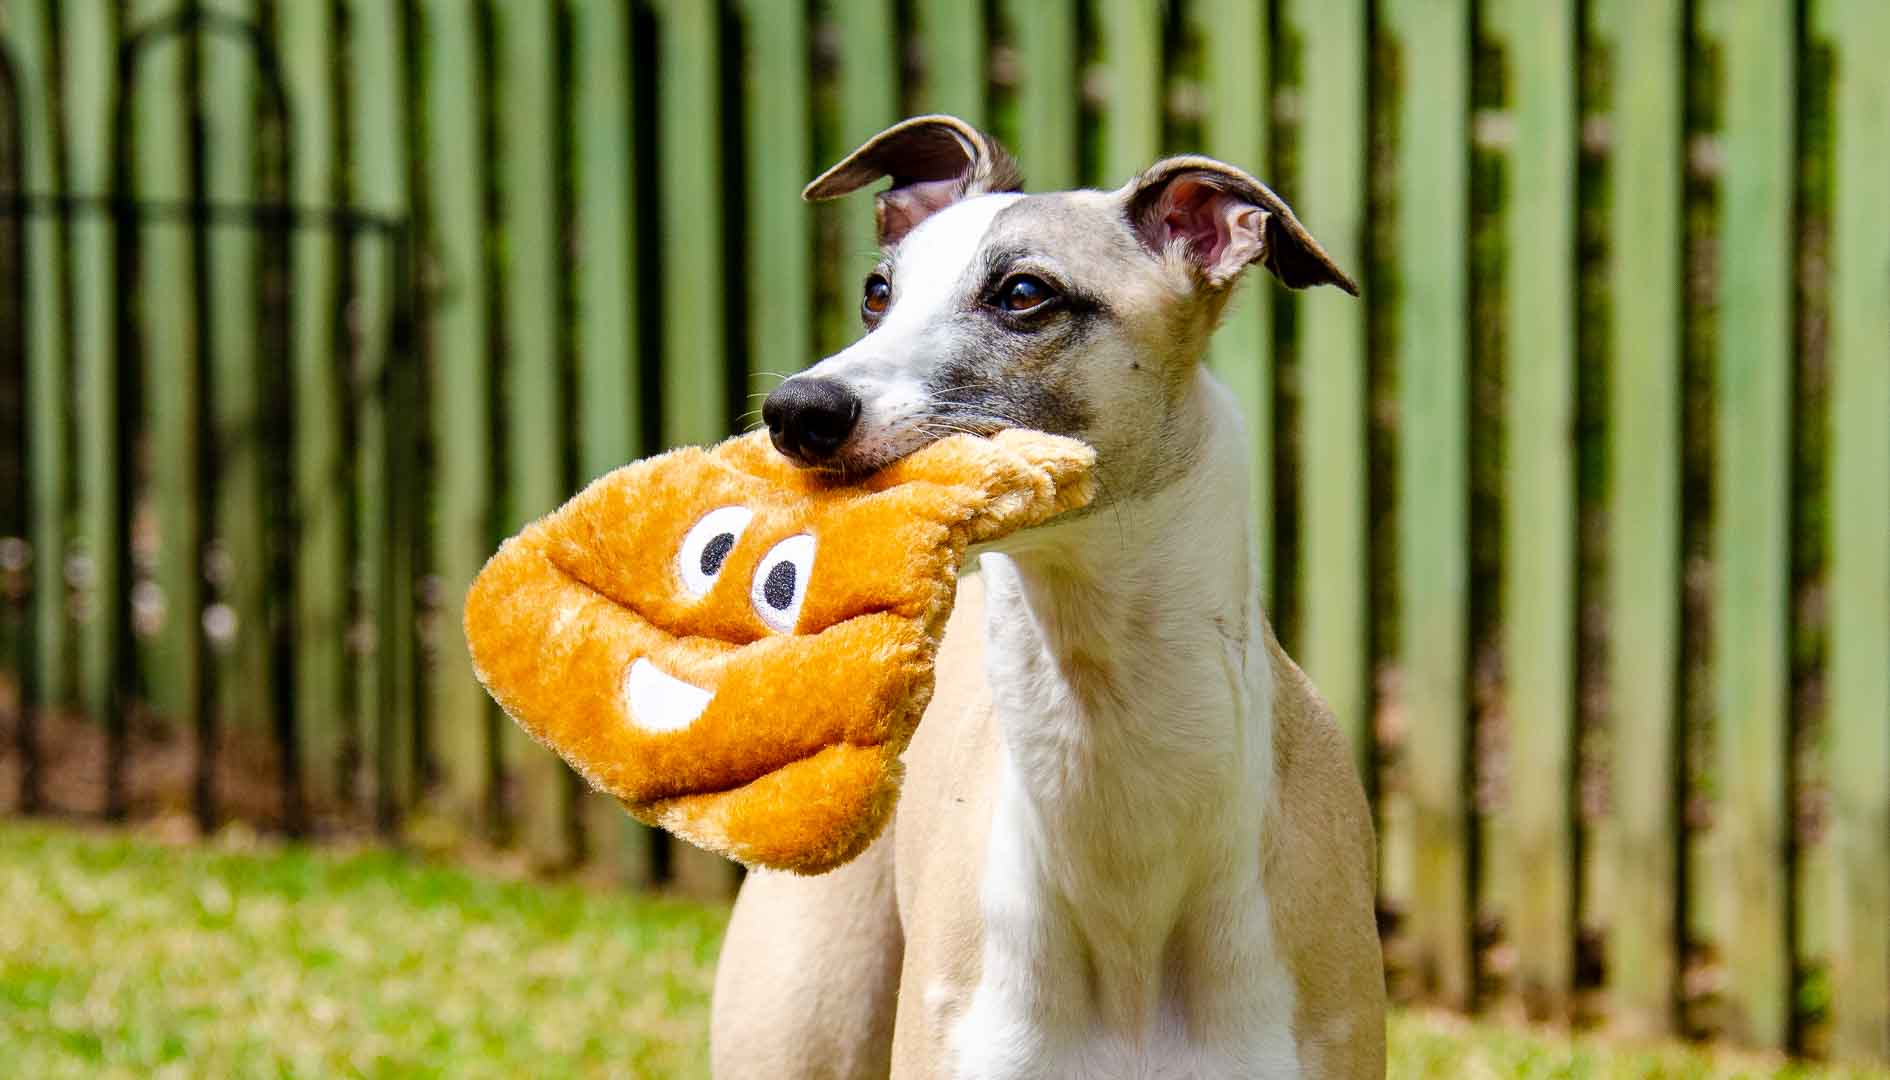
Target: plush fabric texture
column 738, row 649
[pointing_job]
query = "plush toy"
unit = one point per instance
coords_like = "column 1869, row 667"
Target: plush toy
column 738, row 649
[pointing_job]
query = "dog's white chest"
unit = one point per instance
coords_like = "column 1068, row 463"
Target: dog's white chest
column 985, row 1052
column 998, row 1037
column 1149, row 979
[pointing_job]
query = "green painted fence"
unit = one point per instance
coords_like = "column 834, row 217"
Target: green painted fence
column 1581, row 517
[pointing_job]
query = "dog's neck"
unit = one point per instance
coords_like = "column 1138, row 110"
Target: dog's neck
column 1131, row 691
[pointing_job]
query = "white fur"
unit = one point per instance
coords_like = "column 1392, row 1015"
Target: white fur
column 887, row 367
column 1126, row 930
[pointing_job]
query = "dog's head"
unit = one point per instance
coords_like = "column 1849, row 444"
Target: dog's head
column 1081, row 313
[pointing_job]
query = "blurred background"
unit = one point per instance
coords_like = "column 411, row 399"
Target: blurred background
column 1580, row 519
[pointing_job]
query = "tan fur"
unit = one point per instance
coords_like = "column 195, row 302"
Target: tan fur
column 1319, row 855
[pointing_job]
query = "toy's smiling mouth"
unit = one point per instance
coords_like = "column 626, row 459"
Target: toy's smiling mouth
column 660, row 701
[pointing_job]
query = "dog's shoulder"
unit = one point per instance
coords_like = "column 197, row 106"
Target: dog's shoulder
column 1320, row 859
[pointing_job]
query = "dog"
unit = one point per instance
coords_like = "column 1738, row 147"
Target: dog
column 1131, row 842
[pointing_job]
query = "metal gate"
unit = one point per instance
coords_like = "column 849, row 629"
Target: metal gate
column 123, row 574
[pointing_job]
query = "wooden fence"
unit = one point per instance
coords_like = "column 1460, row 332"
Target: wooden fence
column 1581, row 520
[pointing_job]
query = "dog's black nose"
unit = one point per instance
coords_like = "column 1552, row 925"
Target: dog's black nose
column 810, row 419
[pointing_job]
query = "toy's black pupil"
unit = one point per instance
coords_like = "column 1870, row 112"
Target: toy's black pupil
column 778, row 589
column 715, row 552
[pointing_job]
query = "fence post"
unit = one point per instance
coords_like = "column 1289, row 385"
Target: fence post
column 1860, row 522
column 462, row 720
column 1645, row 238
column 1049, row 105
column 162, row 171
column 695, row 348
column 1334, row 640
column 1131, row 33
column 380, row 186
column 305, row 34
column 1433, row 199
column 528, row 124
column 780, row 160
column 34, row 30
column 1758, row 40
column 869, row 102
column 952, row 33
column 228, row 103
column 611, row 311
column 1237, row 67
column 88, row 41
column 1538, row 590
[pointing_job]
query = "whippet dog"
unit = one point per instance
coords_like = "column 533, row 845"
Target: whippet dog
column 1132, row 842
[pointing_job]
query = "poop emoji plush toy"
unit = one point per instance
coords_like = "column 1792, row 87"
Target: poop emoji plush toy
column 738, row 649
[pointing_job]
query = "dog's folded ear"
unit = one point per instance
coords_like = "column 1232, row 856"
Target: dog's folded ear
column 1222, row 220
column 934, row 161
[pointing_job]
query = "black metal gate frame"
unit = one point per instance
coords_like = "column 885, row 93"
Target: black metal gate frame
column 398, row 386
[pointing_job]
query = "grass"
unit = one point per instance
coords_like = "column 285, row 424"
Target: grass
column 124, row 956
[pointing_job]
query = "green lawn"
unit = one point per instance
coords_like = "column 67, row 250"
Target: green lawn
column 123, row 956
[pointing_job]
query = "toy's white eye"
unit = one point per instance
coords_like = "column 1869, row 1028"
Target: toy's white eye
column 781, row 582
column 706, row 547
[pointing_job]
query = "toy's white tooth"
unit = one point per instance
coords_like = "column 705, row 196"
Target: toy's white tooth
column 660, row 701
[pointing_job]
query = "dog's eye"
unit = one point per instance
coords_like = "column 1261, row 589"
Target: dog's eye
column 706, row 547
column 1024, row 292
column 781, row 582
column 878, row 297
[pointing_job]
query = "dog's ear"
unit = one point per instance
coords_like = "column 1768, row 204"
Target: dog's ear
column 934, row 161
column 1221, row 220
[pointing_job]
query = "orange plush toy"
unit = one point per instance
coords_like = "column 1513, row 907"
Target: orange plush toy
column 739, row 650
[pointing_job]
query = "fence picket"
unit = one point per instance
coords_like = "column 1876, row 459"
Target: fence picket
column 1433, row 359
column 1752, row 512
column 953, row 36
column 610, row 313
column 1047, row 110
column 695, row 377
column 780, row 160
column 380, row 184
column 305, row 35
column 869, row 102
column 462, row 720
column 528, row 124
column 695, row 346
column 166, row 320
column 34, row 32
column 610, row 302
column 1648, row 40
column 1538, row 589
column 1236, row 70
column 229, row 100
column 1333, row 639
column 89, row 52
column 1132, row 120
column 1860, row 507
column 161, row 171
